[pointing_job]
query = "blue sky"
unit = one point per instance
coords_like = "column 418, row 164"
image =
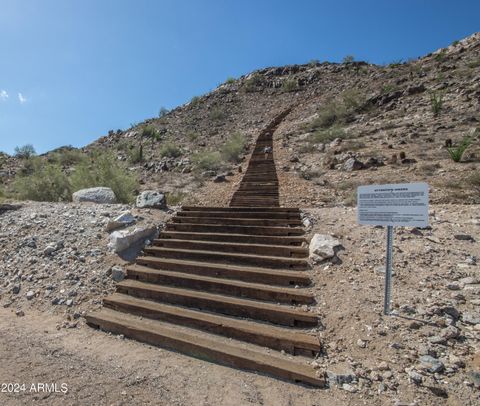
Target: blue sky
column 71, row 70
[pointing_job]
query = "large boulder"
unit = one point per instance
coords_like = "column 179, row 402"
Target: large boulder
column 102, row 195
column 323, row 246
column 124, row 240
column 151, row 198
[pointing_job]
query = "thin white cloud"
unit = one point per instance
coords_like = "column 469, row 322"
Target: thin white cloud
column 21, row 98
column 3, row 95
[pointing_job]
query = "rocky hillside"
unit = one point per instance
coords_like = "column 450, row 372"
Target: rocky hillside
column 350, row 123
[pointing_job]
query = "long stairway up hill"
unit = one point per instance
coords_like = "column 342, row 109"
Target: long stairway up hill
column 225, row 284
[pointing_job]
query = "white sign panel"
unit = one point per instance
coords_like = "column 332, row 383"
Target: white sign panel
column 404, row 204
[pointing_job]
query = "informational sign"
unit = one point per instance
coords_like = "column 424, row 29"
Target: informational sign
column 404, row 204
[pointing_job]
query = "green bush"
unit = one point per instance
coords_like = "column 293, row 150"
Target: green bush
column 149, row 132
column 327, row 135
column 105, row 170
column 440, row 57
column 46, row 183
column 195, row 100
column 230, row 80
column 217, row 114
column 329, row 114
column 348, row 59
column 162, row 112
column 253, row 82
column 207, row 161
column 192, row 136
column 436, row 102
column 290, row 85
column 170, row 150
column 353, row 99
column 233, row 148
column 135, row 155
column 175, row 198
column 67, row 156
column 457, row 152
column 24, row 152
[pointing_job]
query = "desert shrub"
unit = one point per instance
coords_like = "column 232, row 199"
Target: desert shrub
column 290, row 85
column 217, row 114
column 206, row 161
column 348, row 59
column 170, row 150
column 338, row 111
column 389, row 87
column 230, row 80
column 194, row 100
column 175, row 198
column 149, row 132
column 45, row 182
column 24, row 152
column 313, row 63
column 135, row 155
column 233, row 148
column 192, row 136
column 327, row 135
column 456, row 153
column 396, row 63
column 67, row 156
column 441, row 55
column 328, row 114
column 353, row 99
column 163, row 112
column 105, row 170
column 474, row 64
column 253, row 82
column 436, row 102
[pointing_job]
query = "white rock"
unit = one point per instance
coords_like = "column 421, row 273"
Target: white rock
column 124, row 239
column 102, row 195
column 118, row 273
column 151, row 198
column 323, row 246
column 124, row 219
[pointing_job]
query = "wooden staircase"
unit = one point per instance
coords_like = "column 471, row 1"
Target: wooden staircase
column 226, row 284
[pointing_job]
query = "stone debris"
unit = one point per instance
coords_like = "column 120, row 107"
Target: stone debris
column 124, row 219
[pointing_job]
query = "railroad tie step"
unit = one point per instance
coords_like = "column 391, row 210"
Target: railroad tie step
column 230, row 287
column 234, row 306
column 227, row 271
column 204, row 346
column 278, row 338
column 230, row 258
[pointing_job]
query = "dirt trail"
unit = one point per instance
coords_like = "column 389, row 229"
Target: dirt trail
column 102, row 369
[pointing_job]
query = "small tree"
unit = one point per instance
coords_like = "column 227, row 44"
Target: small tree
column 348, row 59
column 25, row 152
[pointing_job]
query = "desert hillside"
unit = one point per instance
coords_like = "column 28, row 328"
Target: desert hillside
column 394, row 119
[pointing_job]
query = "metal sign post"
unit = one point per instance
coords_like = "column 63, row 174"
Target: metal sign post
column 388, row 271
column 392, row 205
